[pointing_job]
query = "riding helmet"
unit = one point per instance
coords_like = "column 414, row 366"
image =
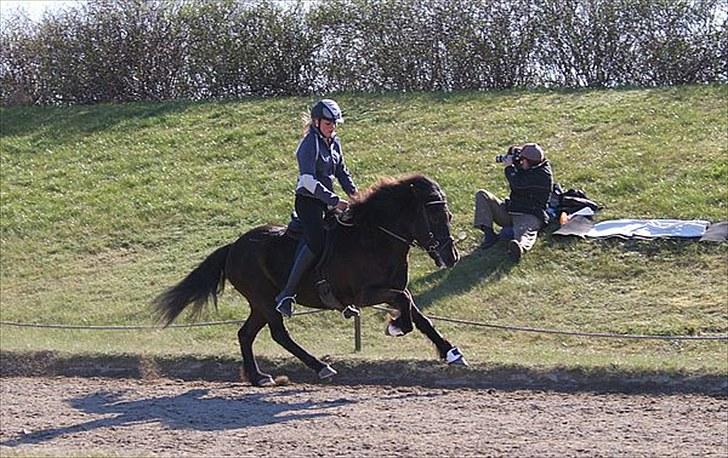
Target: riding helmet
column 327, row 109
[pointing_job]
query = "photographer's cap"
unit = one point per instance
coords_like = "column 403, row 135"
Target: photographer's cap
column 533, row 152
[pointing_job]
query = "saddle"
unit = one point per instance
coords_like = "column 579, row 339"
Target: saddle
column 294, row 230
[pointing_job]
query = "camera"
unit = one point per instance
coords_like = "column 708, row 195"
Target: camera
column 514, row 153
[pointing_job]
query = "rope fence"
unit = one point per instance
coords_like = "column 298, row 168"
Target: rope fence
column 357, row 328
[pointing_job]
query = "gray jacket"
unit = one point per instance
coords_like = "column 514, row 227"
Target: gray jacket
column 318, row 164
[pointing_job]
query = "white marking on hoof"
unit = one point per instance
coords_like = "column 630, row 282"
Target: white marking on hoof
column 266, row 381
column 394, row 331
column 455, row 358
column 327, row 372
column 350, row 311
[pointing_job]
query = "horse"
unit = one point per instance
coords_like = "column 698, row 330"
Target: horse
column 367, row 265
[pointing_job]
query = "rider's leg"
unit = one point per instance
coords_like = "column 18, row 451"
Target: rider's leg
column 311, row 213
column 286, row 298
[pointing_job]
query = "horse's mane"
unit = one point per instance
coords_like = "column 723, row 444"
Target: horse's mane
column 391, row 197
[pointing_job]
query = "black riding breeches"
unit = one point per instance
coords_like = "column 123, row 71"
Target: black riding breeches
column 311, row 212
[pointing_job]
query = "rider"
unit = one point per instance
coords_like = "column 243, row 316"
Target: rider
column 320, row 159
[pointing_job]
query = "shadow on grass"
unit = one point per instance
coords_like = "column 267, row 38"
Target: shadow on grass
column 474, row 268
column 68, row 123
column 430, row 374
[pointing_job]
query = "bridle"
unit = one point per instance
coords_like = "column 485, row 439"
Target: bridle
column 432, row 245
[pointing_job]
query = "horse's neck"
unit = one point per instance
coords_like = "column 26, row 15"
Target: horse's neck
column 379, row 237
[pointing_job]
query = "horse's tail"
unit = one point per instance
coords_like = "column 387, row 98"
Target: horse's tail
column 207, row 280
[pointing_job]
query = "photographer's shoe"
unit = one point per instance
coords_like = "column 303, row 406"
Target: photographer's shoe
column 515, row 251
column 506, row 233
column 489, row 238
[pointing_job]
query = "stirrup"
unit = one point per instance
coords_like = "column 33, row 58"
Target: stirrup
column 285, row 306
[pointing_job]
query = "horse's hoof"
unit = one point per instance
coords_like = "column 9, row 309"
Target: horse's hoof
column 350, row 311
column 327, row 372
column 393, row 331
column 265, row 381
column 455, row 358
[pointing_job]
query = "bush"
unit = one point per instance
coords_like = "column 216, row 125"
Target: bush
column 107, row 50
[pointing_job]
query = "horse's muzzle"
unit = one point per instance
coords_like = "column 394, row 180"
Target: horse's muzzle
column 444, row 254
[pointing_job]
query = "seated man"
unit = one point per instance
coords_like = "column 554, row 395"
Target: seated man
column 530, row 179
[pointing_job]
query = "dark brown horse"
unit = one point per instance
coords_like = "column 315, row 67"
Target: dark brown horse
column 367, row 266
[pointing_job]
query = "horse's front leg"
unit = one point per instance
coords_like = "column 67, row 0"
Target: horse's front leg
column 401, row 300
column 447, row 351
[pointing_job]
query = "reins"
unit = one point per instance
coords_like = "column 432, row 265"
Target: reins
column 398, row 237
column 433, row 246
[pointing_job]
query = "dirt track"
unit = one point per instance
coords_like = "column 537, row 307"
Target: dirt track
column 132, row 417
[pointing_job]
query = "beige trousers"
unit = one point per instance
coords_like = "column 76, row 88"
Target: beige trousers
column 490, row 209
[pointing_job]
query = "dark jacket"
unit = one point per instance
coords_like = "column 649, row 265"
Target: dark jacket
column 530, row 189
column 318, row 165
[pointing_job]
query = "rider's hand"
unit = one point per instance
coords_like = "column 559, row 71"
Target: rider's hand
column 342, row 205
column 508, row 160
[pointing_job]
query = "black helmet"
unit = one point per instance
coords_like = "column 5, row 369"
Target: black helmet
column 327, row 109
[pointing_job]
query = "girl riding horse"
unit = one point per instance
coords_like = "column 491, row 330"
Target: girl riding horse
column 368, row 266
column 320, row 159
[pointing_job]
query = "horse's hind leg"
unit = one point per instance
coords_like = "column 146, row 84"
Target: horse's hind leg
column 246, row 335
column 447, row 351
column 280, row 334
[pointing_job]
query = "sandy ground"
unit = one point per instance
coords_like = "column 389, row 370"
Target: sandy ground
column 83, row 416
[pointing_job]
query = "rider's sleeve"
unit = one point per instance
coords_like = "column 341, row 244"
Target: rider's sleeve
column 306, row 156
column 344, row 176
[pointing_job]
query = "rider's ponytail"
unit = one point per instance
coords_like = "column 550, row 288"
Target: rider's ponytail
column 307, row 123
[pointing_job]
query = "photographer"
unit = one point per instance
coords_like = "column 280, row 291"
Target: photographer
column 530, row 179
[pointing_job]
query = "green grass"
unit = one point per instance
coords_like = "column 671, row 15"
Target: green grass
column 104, row 206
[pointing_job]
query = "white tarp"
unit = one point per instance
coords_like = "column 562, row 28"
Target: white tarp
column 649, row 228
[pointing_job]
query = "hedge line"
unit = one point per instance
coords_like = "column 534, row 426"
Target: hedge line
column 113, row 50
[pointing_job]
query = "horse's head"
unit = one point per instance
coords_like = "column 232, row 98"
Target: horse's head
column 412, row 210
column 431, row 224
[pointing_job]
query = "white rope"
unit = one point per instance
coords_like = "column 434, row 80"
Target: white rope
column 385, row 309
column 566, row 333
column 133, row 327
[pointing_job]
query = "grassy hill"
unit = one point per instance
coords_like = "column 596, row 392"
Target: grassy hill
column 104, row 206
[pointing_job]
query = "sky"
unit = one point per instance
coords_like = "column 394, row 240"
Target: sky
column 35, row 8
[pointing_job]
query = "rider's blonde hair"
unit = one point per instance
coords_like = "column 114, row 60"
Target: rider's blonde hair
column 307, row 122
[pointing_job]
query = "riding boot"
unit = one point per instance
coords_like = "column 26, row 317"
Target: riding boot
column 286, row 298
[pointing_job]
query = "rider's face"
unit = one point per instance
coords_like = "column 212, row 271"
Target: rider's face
column 327, row 128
